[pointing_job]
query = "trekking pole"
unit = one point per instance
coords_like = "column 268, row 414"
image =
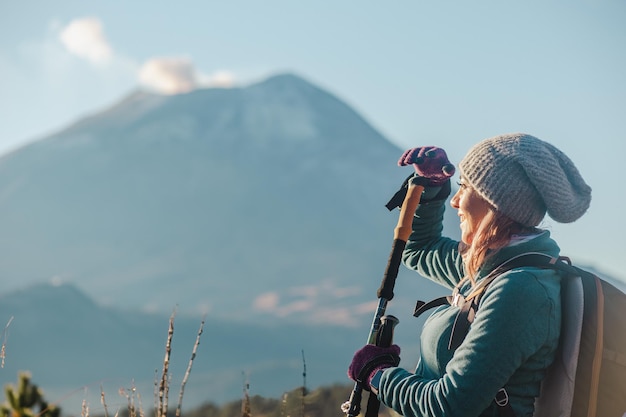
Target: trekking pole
column 381, row 331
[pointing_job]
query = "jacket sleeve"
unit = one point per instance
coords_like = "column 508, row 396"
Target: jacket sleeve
column 511, row 341
column 427, row 252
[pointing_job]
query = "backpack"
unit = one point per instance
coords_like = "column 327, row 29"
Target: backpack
column 588, row 375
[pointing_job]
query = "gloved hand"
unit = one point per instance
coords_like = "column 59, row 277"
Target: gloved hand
column 369, row 359
column 431, row 163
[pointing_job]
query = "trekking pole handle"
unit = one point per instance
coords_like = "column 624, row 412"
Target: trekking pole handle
column 384, row 338
column 407, row 211
column 400, row 236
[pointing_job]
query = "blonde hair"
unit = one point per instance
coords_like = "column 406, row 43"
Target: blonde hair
column 494, row 233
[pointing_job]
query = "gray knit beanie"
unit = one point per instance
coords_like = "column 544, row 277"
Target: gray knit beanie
column 523, row 177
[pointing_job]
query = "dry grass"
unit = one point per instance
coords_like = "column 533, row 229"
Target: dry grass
column 3, row 349
column 161, row 406
column 188, row 370
column 134, row 406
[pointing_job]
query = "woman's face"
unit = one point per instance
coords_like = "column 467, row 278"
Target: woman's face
column 472, row 209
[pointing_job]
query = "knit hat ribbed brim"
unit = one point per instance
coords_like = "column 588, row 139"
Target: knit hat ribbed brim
column 524, row 177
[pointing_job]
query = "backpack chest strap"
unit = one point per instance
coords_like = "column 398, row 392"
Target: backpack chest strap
column 467, row 307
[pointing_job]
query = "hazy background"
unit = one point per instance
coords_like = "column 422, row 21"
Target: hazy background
column 421, row 73
column 445, row 73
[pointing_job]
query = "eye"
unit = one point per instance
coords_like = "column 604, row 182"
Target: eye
column 462, row 185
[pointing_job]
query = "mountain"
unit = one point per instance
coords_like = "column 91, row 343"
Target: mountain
column 261, row 207
column 191, row 199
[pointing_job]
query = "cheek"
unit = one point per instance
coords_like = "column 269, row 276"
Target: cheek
column 474, row 212
column 467, row 233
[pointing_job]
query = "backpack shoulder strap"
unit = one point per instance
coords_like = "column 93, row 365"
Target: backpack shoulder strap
column 541, row 260
column 468, row 308
column 468, row 305
column 422, row 306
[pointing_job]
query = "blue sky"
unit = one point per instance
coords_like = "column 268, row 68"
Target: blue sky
column 445, row 73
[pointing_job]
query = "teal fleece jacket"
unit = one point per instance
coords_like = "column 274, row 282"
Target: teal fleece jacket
column 510, row 343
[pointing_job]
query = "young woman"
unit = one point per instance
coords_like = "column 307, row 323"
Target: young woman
column 507, row 185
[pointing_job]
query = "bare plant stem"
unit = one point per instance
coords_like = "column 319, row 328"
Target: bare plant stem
column 245, row 402
column 84, row 409
column 139, row 403
column 164, row 386
column 303, row 382
column 156, row 392
column 188, row 371
column 3, row 350
column 132, row 409
column 283, row 408
column 104, row 403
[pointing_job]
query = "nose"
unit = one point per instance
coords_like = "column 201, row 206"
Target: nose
column 454, row 201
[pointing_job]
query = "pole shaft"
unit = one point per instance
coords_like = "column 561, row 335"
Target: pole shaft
column 385, row 293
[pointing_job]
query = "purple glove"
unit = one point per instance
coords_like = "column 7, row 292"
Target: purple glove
column 371, row 358
column 430, row 162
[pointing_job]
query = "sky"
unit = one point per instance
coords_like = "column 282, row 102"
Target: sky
column 444, row 73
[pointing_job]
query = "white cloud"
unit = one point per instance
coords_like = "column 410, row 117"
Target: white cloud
column 306, row 291
column 343, row 316
column 175, row 75
column 318, row 304
column 325, row 288
column 221, row 78
column 368, row 307
column 85, row 38
column 169, row 75
column 298, row 306
column 267, row 301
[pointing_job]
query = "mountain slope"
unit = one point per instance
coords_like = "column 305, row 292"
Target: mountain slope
column 192, row 198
